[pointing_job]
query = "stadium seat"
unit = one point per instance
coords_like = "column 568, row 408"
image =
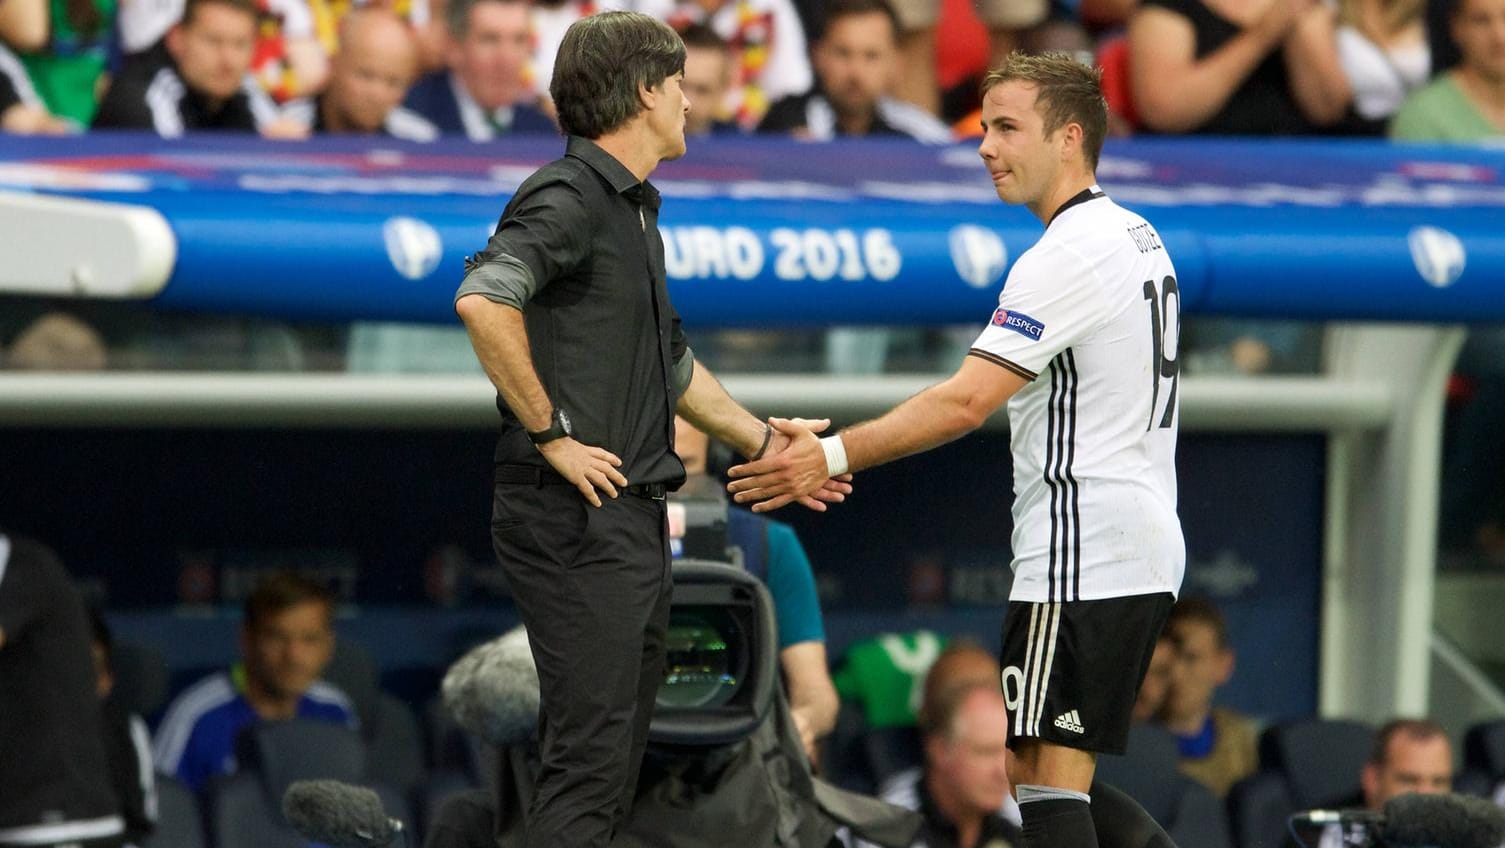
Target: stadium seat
column 179, row 824
column 1149, row 773
column 246, row 807
column 140, row 678
column 1303, row 765
column 394, row 745
column 1483, row 758
column 353, row 671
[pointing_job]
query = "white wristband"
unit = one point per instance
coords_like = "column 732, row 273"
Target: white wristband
column 836, row 455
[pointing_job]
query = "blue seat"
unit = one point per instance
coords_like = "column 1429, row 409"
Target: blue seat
column 179, row 823
column 246, row 807
column 1303, row 765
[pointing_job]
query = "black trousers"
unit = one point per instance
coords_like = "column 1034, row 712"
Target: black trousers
column 593, row 586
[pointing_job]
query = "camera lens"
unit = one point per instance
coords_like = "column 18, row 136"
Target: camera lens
column 700, row 661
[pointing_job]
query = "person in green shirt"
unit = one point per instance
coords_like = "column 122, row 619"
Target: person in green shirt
column 67, row 71
column 1467, row 103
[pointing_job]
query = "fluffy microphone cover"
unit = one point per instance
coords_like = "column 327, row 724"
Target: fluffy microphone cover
column 492, row 691
column 1442, row 821
column 337, row 814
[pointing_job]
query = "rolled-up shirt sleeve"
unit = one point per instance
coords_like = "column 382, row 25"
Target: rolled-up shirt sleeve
column 545, row 235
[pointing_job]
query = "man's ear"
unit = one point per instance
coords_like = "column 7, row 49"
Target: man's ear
column 647, row 96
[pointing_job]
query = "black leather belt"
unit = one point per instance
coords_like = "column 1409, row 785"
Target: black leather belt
column 532, row 475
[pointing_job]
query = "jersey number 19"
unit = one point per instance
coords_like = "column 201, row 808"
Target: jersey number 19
column 1165, row 331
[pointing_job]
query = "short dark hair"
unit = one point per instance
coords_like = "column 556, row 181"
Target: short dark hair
column 457, row 14
column 1200, row 610
column 701, row 35
column 279, row 592
column 603, row 61
column 1420, row 729
column 1067, row 92
column 192, row 7
column 838, row 9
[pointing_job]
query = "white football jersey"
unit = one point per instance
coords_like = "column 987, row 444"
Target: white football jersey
column 1091, row 316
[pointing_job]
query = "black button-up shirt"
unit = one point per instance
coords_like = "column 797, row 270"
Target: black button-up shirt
column 579, row 251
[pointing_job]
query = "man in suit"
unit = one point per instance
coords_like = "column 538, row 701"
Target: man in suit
column 484, row 93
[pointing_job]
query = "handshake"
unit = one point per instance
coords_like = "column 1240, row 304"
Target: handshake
column 795, row 466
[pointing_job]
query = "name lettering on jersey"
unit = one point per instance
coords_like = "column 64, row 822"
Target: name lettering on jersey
column 1019, row 323
column 1145, row 238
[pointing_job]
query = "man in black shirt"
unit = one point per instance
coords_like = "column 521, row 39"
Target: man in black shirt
column 569, row 313
column 54, row 786
column 196, row 79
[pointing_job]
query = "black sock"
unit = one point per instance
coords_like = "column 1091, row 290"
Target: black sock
column 1122, row 823
column 1058, row 823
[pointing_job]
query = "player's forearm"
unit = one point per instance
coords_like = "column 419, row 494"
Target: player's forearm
column 938, row 415
column 706, row 404
column 500, row 339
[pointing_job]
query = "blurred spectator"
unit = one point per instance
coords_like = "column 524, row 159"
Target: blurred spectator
column 286, row 641
column 1227, row 67
column 886, row 675
column 962, row 790
column 68, row 67
column 1381, row 45
column 767, row 41
column 1251, row 347
column 1467, row 103
column 484, row 93
column 1156, row 686
column 856, row 64
column 128, row 744
column 199, row 82
column 377, row 61
column 1410, row 755
column 919, row 83
column 57, row 341
column 708, row 78
column 1218, row 746
column 771, row 551
column 54, row 786
column 22, row 112
column 23, row 24
column 288, row 61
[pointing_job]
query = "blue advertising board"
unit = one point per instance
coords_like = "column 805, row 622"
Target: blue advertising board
column 763, row 231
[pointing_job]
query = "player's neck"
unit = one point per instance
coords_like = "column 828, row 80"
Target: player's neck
column 269, row 705
column 1069, row 184
column 632, row 146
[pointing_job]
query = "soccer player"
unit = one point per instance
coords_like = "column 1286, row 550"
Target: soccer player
column 1082, row 347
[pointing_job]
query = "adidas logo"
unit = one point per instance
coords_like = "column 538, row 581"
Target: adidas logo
column 1070, row 721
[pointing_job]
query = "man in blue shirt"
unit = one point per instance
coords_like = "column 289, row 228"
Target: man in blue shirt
column 772, row 552
column 286, row 641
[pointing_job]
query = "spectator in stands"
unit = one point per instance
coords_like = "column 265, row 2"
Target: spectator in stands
column 369, row 77
column 767, row 41
column 286, row 641
column 856, row 64
column 961, row 786
column 1218, row 746
column 484, row 93
column 708, row 80
column 57, row 341
column 54, row 786
column 886, row 675
column 23, row 24
column 22, row 112
column 67, row 63
column 1381, row 47
column 772, row 552
column 1410, row 755
column 288, row 60
column 199, row 82
column 1156, row 686
column 1228, row 67
column 1468, row 102
column 128, row 744
column 1006, row 21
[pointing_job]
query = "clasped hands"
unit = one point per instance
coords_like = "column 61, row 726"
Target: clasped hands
column 792, row 470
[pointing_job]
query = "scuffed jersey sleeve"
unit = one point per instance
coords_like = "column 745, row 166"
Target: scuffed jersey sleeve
column 1051, row 300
